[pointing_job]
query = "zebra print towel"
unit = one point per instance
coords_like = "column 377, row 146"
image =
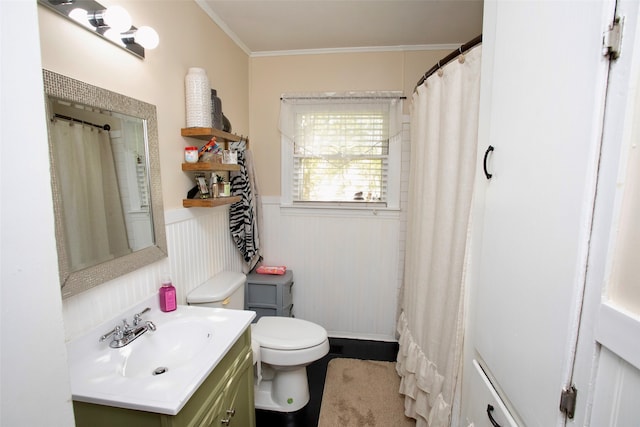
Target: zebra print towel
column 244, row 215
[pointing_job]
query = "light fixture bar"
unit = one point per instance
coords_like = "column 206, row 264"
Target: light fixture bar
column 100, row 21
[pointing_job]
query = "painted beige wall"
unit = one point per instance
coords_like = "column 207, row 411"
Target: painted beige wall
column 195, row 41
column 270, row 76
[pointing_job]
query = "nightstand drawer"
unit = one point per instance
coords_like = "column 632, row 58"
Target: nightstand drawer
column 262, row 294
column 269, row 295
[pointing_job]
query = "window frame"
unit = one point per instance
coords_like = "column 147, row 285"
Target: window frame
column 393, row 166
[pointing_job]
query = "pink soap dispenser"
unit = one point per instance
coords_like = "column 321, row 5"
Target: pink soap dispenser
column 167, row 296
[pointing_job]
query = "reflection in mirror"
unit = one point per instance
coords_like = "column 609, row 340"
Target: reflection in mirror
column 100, row 160
column 106, row 183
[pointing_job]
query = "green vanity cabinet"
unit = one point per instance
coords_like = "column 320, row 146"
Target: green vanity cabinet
column 225, row 398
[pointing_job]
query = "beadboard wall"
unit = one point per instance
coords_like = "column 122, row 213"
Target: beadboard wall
column 347, row 264
column 615, row 400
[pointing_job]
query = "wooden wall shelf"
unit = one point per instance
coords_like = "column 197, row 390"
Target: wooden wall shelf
column 206, row 134
column 209, row 167
column 210, row 203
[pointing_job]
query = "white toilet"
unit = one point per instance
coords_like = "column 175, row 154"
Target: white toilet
column 283, row 346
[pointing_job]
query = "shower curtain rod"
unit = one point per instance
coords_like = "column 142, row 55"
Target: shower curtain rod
column 450, row 57
column 104, row 127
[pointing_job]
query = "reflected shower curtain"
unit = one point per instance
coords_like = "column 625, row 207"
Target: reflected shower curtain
column 89, row 193
column 444, row 124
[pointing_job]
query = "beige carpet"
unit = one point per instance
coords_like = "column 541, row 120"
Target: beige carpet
column 360, row 393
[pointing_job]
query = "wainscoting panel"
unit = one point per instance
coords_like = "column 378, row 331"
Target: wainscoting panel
column 617, row 388
column 200, row 246
column 345, row 266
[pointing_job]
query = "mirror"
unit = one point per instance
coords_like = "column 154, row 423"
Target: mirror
column 105, row 177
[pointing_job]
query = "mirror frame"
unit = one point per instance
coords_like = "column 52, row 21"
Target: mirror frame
column 73, row 90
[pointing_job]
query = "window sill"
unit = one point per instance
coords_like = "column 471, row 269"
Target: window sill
column 340, row 209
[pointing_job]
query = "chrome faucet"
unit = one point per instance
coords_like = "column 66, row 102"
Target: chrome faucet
column 125, row 334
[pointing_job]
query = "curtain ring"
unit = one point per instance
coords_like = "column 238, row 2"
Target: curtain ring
column 439, row 70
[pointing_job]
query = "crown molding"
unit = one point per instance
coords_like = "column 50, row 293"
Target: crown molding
column 404, row 48
column 223, row 26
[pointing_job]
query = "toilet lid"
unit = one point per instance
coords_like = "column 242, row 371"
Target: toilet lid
column 287, row 333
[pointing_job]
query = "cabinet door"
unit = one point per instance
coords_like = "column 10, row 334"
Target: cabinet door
column 546, row 95
column 211, row 417
column 238, row 407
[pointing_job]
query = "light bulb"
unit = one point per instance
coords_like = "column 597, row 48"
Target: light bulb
column 117, row 18
column 147, row 37
column 80, row 16
column 114, row 36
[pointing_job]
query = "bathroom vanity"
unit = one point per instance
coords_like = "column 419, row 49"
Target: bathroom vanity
column 227, row 394
column 207, row 378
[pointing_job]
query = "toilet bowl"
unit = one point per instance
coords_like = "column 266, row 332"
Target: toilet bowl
column 287, row 347
column 283, row 346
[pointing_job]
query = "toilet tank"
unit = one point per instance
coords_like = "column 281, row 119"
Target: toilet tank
column 224, row 290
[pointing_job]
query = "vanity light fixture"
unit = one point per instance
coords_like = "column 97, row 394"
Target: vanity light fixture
column 115, row 17
column 114, row 36
column 80, row 16
column 145, row 36
column 112, row 23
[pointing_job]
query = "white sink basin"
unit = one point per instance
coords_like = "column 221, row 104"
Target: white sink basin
column 177, row 343
column 160, row 370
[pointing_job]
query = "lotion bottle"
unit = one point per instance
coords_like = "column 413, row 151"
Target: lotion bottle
column 168, row 300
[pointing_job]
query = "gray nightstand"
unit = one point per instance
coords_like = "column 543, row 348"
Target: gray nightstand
column 269, row 294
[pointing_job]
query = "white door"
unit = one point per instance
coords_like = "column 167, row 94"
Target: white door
column 546, row 101
column 609, row 388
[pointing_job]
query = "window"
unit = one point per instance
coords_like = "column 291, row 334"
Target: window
column 341, row 150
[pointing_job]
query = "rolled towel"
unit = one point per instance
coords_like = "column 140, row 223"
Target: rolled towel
column 263, row 269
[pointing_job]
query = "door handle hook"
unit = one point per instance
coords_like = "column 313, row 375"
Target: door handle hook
column 493, row 422
column 484, row 162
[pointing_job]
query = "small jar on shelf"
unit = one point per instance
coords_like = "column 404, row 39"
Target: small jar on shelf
column 191, row 154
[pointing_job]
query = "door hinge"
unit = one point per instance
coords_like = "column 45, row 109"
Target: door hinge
column 612, row 39
column 568, row 401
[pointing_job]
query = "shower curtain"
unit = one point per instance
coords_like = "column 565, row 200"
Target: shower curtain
column 89, row 191
column 444, row 123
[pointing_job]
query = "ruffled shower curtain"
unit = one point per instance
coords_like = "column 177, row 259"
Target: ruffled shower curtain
column 444, row 124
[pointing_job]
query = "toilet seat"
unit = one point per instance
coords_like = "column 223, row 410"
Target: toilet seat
column 287, row 333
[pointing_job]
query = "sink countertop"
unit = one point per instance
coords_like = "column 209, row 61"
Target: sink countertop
column 99, row 374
